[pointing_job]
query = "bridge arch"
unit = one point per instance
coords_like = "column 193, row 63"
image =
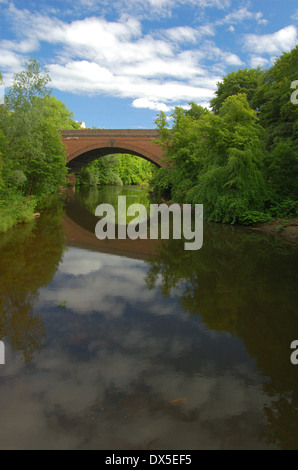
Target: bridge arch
column 84, row 146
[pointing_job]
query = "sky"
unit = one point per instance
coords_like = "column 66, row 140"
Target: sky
column 117, row 64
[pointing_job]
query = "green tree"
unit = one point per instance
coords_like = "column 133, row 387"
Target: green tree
column 216, row 160
column 241, row 158
column 232, row 182
column 279, row 117
column 277, row 113
column 57, row 111
column 32, row 156
column 27, row 85
column 116, row 169
column 36, row 149
column 241, row 81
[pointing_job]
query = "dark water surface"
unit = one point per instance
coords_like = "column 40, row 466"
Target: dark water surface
column 126, row 344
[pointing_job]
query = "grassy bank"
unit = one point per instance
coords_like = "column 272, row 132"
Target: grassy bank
column 15, row 210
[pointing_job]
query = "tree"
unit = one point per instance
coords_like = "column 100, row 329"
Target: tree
column 279, row 117
column 36, row 149
column 277, row 113
column 116, row 169
column 216, row 160
column 232, row 182
column 240, row 159
column 240, row 81
column 27, row 85
column 57, row 111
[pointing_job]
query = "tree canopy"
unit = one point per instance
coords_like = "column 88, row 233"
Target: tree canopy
column 32, row 156
column 239, row 159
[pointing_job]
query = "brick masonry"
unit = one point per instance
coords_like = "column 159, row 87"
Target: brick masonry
column 85, row 145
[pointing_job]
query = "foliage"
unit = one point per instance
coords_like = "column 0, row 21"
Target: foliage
column 56, row 110
column 285, row 208
column 32, row 156
column 217, row 160
column 254, row 217
column 117, row 170
column 240, row 159
column 240, row 81
column 14, row 209
column 277, row 113
column 281, row 169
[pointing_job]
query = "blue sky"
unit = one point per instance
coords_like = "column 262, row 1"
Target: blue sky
column 116, row 64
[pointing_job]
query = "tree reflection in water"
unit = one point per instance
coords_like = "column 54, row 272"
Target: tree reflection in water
column 29, row 259
column 242, row 283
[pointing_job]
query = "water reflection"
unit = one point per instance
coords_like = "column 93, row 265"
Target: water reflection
column 30, row 256
column 189, row 350
column 109, row 194
column 80, row 221
column 243, row 284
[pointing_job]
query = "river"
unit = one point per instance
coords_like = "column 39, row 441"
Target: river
column 123, row 344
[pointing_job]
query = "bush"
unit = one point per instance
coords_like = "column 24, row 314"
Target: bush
column 286, row 208
column 254, row 217
column 15, row 209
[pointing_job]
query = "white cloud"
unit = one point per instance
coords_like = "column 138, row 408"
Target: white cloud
column 258, row 61
column 182, row 34
column 23, row 47
column 150, row 104
column 215, row 53
column 150, row 7
column 157, row 70
column 238, row 16
column 80, row 76
column 10, row 61
column 276, row 43
column 115, row 57
column 260, row 19
column 295, row 16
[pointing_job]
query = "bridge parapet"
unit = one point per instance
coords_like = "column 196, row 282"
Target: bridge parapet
column 136, row 133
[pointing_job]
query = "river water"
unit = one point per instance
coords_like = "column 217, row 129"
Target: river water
column 125, row 344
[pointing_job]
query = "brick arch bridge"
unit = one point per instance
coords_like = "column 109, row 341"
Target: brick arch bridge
column 85, row 145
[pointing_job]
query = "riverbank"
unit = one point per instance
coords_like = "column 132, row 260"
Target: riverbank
column 16, row 209
column 285, row 228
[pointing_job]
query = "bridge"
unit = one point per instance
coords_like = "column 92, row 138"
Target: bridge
column 85, row 145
